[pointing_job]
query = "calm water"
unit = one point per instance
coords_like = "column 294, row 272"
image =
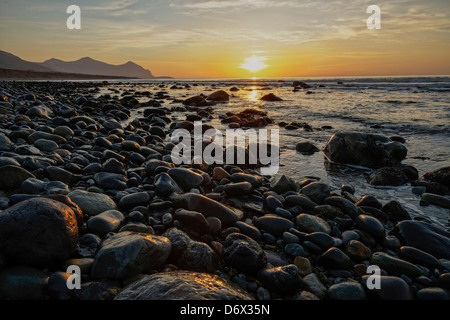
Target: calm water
column 416, row 108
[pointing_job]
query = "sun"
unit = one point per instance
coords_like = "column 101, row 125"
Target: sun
column 254, row 64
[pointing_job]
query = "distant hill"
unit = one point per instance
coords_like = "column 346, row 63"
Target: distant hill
column 36, row 75
column 84, row 66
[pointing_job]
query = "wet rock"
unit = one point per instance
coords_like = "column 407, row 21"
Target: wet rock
column 433, row 294
column 243, row 253
column 388, row 176
column 184, row 285
column 208, row 207
column 283, row 280
column 92, row 203
column 165, row 185
column 370, row 225
column 368, row 150
column 13, row 176
column 369, row 201
column 274, row 225
column 334, row 258
column 219, row 96
column 395, row 266
column 111, row 181
column 185, row 178
column 189, row 254
column 108, row 221
column 437, row 200
column 395, row 211
column 310, row 223
column 417, row 256
column 192, row 220
column 126, row 254
column 249, row 230
column 347, row 290
column 316, row 191
column 238, row 189
column 23, row 283
column 424, row 236
column 29, row 230
column 315, row 286
column 271, row 97
column 219, row 173
column 391, row 288
column 441, row 176
column 357, row 251
column 306, row 147
column 282, row 184
column 87, row 245
column 133, row 200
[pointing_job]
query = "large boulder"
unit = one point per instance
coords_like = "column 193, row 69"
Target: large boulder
column 38, row 232
column 363, row 149
column 182, row 285
column 128, row 253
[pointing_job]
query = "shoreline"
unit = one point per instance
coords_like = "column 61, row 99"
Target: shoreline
column 67, row 152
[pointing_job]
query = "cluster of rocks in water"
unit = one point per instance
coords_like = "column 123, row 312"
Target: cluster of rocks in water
column 80, row 188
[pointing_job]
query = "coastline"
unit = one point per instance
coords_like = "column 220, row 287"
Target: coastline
column 273, row 238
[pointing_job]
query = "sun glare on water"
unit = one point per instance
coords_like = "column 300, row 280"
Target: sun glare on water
column 254, row 64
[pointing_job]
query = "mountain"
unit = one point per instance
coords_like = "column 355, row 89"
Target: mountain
column 10, row 61
column 85, row 66
column 90, row 66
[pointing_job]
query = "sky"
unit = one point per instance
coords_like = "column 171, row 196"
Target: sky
column 216, row 38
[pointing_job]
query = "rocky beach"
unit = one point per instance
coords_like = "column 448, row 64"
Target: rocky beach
column 87, row 180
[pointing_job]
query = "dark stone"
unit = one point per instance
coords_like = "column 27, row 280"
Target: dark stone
column 38, row 232
column 274, row 225
column 334, row 258
column 283, row 280
column 424, row 236
column 243, row 253
column 395, row 211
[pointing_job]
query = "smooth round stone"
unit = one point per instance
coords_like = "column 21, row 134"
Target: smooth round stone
column 417, row 256
column 282, row 280
column 92, row 203
column 238, row 189
column 114, row 166
column 249, row 230
column 28, row 231
column 314, row 285
column 302, row 201
column 272, row 203
column 290, row 238
column 111, row 181
column 64, row 131
column 46, row 145
column 59, row 174
column 357, row 251
column 57, row 187
column 316, row 191
column 33, row 186
column 57, row 286
column 105, row 222
column 284, row 213
column 165, row 185
column 349, row 235
column 345, row 205
column 303, row 265
column 322, row 239
column 129, row 145
column 347, row 290
column 274, row 225
column 395, row 266
column 134, row 200
column 185, row 178
column 192, row 220
column 436, row 199
column 369, row 201
column 391, row 288
column 424, row 236
column 395, row 211
column 295, row 250
column 371, row 225
column 309, row 223
column 13, row 176
column 220, row 173
column 282, row 184
column 336, row 259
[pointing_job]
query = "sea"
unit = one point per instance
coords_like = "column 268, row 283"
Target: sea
column 416, row 108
